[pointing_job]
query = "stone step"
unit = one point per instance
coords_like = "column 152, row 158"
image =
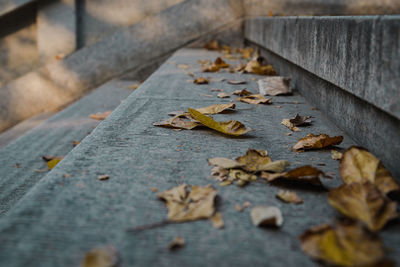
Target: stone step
column 21, row 163
column 347, row 66
column 61, row 218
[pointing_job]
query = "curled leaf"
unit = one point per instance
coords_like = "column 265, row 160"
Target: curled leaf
column 342, row 245
column 224, row 163
column 217, row 108
column 359, row 165
column 234, row 128
column 254, row 159
column 236, row 82
column 223, row 95
column 317, row 142
column 255, row 99
column 266, row 216
column 101, row 257
column 301, row 120
column 275, row 85
column 183, row 206
column 242, row 92
column 307, row 174
column 289, row 197
column 364, row 202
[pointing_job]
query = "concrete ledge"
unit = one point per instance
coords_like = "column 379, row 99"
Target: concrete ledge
column 66, row 80
column 359, row 54
column 7, row 6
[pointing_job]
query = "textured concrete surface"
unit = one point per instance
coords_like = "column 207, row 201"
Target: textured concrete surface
column 61, row 82
column 57, row 28
column 61, row 218
column 369, row 126
column 320, row 7
column 359, row 54
column 7, row 6
column 54, row 136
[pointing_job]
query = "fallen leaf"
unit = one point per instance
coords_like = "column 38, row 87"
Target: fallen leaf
column 103, row 177
column 217, row 220
column 255, row 66
column 290, row 125
column 241, row 208
column 359, row 165
column 342, row 245
column 183, row 206
column 212, row 45
column 306, row 174
column 255, row 99
column 75, row 143
column 52, row 161
column 254, row 159
column 234, row 128
column 183, row 66
column 178, row 122
column 275, row 85
column 317, row 142
column 241, row 176
column 220, row 174
column 218, row 64
column 101, row 257
column 276, row 166
column 246, row 52
column 289, row 197
column 217, row 108
column 101, row 115
column 201, row 80
column 364, row 202
column 301, row 120
column 236, row 82
column 216, row 90
column 223, row 95
column 178, row 242
column 242, row 92
column 134, row 86
column 336, row 155
column 266, row 216
column 224, row 163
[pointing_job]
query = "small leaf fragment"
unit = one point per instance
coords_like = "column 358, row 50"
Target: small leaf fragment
column 336, row 155
column 245, row 205
column 242, row 92
column 183, row 206
column 301, row 120
column 255, row 66
column 276, row 166
column 234, row 128
column 178, row 123
column 201, row 80
column 289, row 197
column 317, row 142
column 217, row 108
column 290, row 125
column 364, row 202
column 342, row 245
column 274, row 85
column 266, row 216
column 220, row 174
column 103, row 177
column 223, row 95
column 254, row 159
column 101, row 257
column 307, row 174
column 224, row 163
column 101, row 115
column 217, row 220
column 236, row 82
column 359, row 165
column 255, row 99
column 176, row 243
column 212, row 45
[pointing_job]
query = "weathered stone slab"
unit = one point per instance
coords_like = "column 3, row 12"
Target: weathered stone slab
column 58, row 83
column 61, row 218
column 358, row 54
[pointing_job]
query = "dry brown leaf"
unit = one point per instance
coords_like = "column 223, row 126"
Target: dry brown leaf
column 247, row 53
column 101, row 115
column 178, row 123
column 101, row 257
column 254, row 159
column 275, row 85
column 306, row 174
column 201, row 80
column 342, row 245
column 220, row 174
column 317, row 142
column 236, row 82
column 211, row 68
column 359, row 165
column 223, row 95
column 176, row 243
column 255, row 66
column 242, row 92
column 103, row 177
column 241, row 176
column 212, row 45
column 290, row 125
column 217, row 220
column 301, row 120
column 266, row 216
column 183, row 206
column 289, row 197
column 276, row 166
column 217, row 108
column 216, row 90
column 234, row 128
column 216, row 66
column 224, row 163
column 364, row 202
column 336, row 155
column 255, row 99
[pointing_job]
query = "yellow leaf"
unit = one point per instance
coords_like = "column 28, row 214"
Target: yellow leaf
column 317, row 142
column 101, row 257
column 53, row 162
column 342, row 245
column 234, row 128
column 307, row 174
column 217, row 108
column 364, row 202
column 359, row 165
column 183, row 206
column 289, row 197
column 255, row 99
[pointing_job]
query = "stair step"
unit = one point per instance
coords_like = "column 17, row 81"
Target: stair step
column 62, row 218
column 54, row 136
